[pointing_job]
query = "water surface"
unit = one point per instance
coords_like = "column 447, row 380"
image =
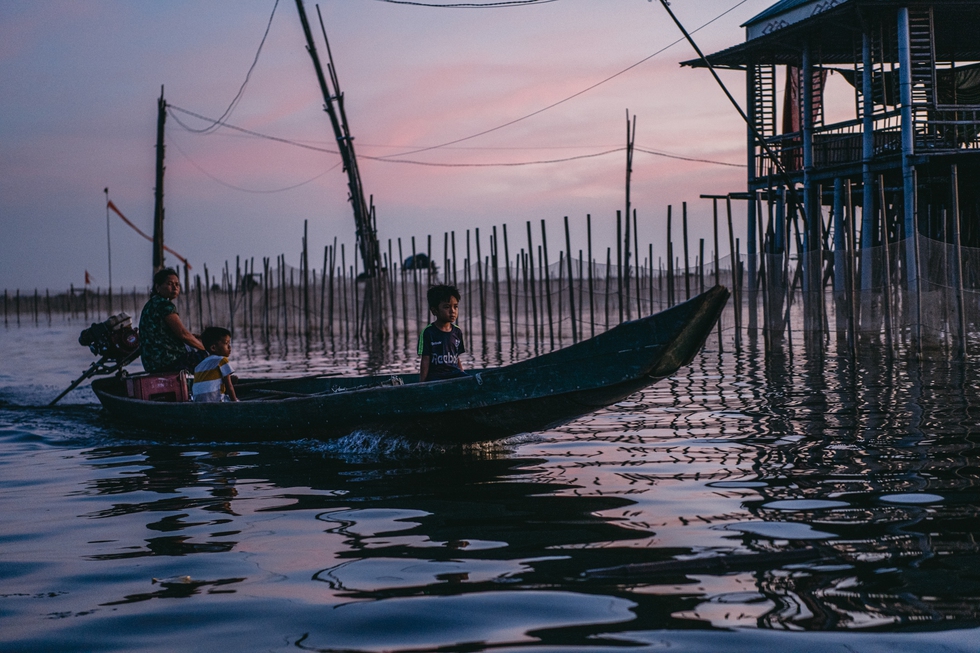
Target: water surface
column 850, row 488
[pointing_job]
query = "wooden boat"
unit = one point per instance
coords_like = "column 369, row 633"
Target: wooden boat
column 491, row 403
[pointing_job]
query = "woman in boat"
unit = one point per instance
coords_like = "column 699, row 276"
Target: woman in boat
column 164, row 339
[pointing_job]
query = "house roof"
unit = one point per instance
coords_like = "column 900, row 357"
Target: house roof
column 834, row 27
column 775, row 10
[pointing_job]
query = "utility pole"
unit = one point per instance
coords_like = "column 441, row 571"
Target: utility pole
column 333, row 104
column 158, row 190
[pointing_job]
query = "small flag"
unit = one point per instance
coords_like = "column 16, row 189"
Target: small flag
column 88, row 279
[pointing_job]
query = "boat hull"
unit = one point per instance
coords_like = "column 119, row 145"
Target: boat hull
column 488, row 404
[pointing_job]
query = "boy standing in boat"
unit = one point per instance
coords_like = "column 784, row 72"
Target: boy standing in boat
column 441, row 343
column 212, row 376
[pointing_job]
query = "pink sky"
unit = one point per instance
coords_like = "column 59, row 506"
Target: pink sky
column 81, row 80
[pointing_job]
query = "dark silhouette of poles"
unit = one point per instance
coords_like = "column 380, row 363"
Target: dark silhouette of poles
column 608, row 273
column 619, row 264
column 670, row 257
column 494, row 265
column 636, row 250
column 736, row 266
column 687, row 263
column 510, row 299
column 480, row 287
column 571, row 283
column 888, row 262
column 547, row 284
column 534, row 294
column 588, row 229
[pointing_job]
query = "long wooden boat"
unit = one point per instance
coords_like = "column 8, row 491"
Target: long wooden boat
column 488, row 404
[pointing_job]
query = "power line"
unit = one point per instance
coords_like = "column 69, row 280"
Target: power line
column 172, row 108
column 688, row 158
column 234, row 102
column 570, row 97
column 249, row 190
column 496, row 165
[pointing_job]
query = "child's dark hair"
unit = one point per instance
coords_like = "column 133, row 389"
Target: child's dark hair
column 213, row 335
column 439, row 294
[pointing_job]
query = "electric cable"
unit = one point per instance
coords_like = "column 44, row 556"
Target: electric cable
column 173, row 108
column 234, row 102
column 249, row 190
column 570, row 97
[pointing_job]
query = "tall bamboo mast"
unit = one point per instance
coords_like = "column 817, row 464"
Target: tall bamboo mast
column 158, row 190
column 333, row 104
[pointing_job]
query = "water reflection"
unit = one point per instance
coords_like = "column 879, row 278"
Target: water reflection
column 797, row 490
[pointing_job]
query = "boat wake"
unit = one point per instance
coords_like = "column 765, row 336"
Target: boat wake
column 361, row 445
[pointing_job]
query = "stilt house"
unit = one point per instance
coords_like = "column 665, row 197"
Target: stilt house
column 902, row 158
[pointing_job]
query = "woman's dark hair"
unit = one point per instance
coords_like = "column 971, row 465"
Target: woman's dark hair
column 213, row 335
column 162, row 276
column 439, row 294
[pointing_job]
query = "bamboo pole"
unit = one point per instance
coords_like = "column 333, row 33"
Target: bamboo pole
column 445, row 256
column 345, row 307
column 361, row 307
column 588, row 229
column 494, row 259
column 547, row 284
column 207, row 295
column 467, row 278
column 762, row 274
column 415, row 287
column 650, row 281
column 571, row 283
column 636, row 250
column 293, row 301
column 200, row 303
column 391, row 266
column 670, row 258
column 687, row 264
column 958, row 258
column 534, row 294
column 544, row 295
column 561, row 295
column 735, row 265
column 480, row 287
column 888, row 262
column 851, row 268
column 607, row 293
column 332, row 295
column 231, row 299
column 626, row 272
column 581, row 294
column 701, row 265
column 527, row 304
column 401, row 261
column 510, row 299
column 453, row 240
column 619, row 264
column 305, row 272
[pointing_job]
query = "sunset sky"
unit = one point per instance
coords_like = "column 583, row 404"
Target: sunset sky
column 80, row 82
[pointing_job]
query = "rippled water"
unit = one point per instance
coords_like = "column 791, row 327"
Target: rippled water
column 850, row 491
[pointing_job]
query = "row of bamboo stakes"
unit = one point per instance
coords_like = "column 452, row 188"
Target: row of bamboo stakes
column 524, row 295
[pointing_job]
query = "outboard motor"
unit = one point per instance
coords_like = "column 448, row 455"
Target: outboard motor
column 115, row 342
column 114, row 339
